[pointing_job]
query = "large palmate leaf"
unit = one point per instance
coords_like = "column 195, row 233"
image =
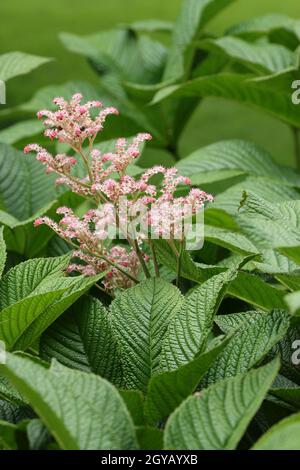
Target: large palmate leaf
column 83, row 339
column 32, row 295
column 219, row 416
column 193, row 16
column 250, row 343
column 259, row 57
column 13, row 64
column 282, row 436
column 271, row 93
column 140, row 317
column 82, row 411
column 167, row 390
column 188, row 331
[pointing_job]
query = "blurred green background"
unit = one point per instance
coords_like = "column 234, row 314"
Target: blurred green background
column 33, row 26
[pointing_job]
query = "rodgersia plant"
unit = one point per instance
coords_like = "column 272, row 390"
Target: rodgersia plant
column 116, row 196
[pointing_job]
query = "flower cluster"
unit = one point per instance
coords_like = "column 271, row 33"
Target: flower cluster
column 106, row 183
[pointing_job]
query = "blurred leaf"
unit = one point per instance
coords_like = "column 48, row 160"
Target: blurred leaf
column 20, row 130
column 258, row 57
column 13, row 64
column 282, row 436
column 271, row 93
column 238, row 156
column 193, row 16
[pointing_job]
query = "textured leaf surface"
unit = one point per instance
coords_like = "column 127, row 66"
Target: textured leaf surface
column 82, row 339
column 140, row 317
column 32, row 295
column 24, row 186
column 235, row 155
column 168, row 389
column 219, row 416
column 250, row 343
column 187, row 332
column 82, row 411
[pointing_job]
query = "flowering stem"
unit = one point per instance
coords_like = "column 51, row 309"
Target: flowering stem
column 154, row 258
column 105, row 291
column 173, row 247
column 118, row 267
column 141, row 259
column 179, row 259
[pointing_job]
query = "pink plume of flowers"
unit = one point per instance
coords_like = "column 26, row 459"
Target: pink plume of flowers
column 105, row 182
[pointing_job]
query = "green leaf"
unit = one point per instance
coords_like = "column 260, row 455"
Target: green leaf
column 259, row 57
column 268, row 189
column 83, row 339
column 149, row 438
column 2, row 252
column 218, row 417
column 133, row 57
column 188, row 331
column 32, row 295
column 8, row 436
column 9, row 393
column 24, row 186
column 293, row 302
column 140, row 317
column 235, row 155
column 37, row 434
column 253, row 290
column 288, row 395
column 291, row 252
column 249, row 344
column 20, row 130
column 247, row 287
column 271, row 93
column 282, row 436
column 82, row 411
column 134, row 401
column 151, row 26
column 233, row 241
column 268, row 24
column 287, row 348
column 192, row 18
column 168, row 389
column 13, row 64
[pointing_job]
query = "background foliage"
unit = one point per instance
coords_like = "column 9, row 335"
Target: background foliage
column 206, row 366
